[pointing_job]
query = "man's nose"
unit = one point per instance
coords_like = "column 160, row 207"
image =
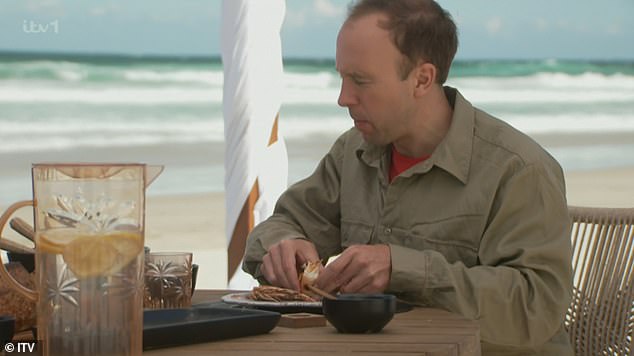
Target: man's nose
column 347, row 96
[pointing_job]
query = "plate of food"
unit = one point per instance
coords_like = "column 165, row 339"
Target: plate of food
column 282, row 300
column 277, row 299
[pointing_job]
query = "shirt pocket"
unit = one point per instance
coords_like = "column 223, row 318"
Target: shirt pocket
column 456, row 238
column 355, row 233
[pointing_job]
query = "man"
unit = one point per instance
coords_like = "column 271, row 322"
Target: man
column 427, row 197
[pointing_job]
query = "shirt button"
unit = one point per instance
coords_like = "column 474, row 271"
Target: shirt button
column 388, row 230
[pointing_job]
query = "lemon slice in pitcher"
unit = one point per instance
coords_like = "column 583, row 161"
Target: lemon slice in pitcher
column 54, row 241
column 102, row 255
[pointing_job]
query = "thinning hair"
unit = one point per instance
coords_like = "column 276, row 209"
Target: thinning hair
column 420, row 29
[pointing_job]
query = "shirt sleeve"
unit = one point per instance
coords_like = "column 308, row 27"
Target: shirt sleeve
column 309, row 210
column 520, row 289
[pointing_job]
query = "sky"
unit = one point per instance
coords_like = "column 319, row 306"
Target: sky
column 489, row 29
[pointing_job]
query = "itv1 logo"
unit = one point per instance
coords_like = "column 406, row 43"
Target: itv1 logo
column 31, row 26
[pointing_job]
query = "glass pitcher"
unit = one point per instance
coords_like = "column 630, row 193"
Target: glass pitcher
column 89, row 237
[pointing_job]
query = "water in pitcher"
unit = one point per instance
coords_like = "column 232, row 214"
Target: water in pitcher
column 92, row 289
column 89, row 234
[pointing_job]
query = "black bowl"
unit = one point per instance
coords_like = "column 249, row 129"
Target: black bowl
column 7, row 328
column 360, row 313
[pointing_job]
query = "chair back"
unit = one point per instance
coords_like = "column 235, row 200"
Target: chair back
column 600, row 319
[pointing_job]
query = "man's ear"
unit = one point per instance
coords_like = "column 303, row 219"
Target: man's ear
column 425, row 77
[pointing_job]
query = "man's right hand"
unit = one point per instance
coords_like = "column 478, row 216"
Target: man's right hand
column 283, row 260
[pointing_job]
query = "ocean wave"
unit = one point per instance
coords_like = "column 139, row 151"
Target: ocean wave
column 543, row 97
column 64, row 143
column 531, row 123
column 573, row 122
column 558, row 80
column 41, row 141
column 590, row 80
column 108, row 95
column 63, row 81
column 476, row 92
column 319, row 80
column 69, row 132
column 525, row 68
column 543, row 80
column 42, row 70
column 71, row 126
column 72, row 72
column 104, row 68
column 213, row 78
column 16, row 92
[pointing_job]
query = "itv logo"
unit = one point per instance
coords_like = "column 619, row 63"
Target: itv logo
column 31, row 26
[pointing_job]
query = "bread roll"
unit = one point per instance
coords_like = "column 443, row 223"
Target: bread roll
column 309, row 275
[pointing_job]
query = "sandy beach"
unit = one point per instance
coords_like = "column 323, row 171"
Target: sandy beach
column 195, row 222
column 191, row 223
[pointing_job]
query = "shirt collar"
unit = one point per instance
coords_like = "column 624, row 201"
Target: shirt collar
column 453, row 154
column 371, row 154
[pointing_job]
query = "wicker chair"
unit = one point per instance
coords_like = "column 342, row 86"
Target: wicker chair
column 600, row 319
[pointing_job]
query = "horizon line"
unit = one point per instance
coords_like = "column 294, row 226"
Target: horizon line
column 17, row 54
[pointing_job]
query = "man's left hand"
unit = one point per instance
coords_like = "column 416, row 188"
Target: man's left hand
column 359, row 269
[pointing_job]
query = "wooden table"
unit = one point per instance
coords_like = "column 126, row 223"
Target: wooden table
column 421, row 331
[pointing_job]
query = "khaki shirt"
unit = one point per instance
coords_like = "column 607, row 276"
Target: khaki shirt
column 481, row 228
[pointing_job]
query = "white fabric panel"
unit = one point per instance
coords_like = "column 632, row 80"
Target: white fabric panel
column 252, row 95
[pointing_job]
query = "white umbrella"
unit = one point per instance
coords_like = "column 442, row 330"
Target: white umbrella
column 256, row 162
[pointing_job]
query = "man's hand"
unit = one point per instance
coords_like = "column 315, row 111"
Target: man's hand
column 283, row 260
column 359, row 269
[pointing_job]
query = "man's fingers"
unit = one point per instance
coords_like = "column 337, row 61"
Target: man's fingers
column 289, row 266
column 360, row 283
column 280, row 264
column 281, row 268
column 267, row 270
column 334, row 275
column 359, row 269
column 307, row 255
column 273, row 262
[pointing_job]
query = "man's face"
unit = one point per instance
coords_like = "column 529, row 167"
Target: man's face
column 378, row 100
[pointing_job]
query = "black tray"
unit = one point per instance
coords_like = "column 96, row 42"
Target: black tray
column 173, row 327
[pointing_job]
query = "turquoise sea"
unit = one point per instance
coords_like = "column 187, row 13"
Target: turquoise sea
column 168, row 110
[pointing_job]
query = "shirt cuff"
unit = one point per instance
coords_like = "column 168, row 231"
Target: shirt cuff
column 409, row 269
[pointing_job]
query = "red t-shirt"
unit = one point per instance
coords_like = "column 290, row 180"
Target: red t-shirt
column 401, row 163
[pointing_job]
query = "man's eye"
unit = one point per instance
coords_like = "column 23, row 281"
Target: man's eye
column 359, row 81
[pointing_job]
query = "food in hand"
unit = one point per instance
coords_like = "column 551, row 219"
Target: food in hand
column 309, row 275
